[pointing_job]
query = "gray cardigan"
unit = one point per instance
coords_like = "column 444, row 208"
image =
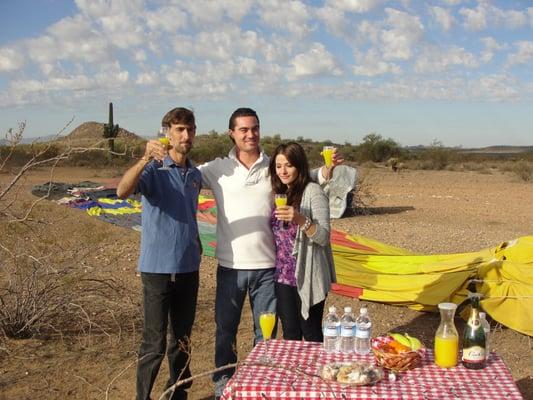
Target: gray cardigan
column 314, row 260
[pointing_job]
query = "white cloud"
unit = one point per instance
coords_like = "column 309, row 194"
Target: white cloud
column 102, row 8
column 356, row 6
column 222, row 44
column 491, row 88
column 72, row 38
column 486, row 15
column 523, row 55
column 247, row 66
column 291, row 16
column 371, row 65
column 26, row 86
column 439, row 59
column 475, row 19
column 496, row 87
column 317, row 60
column 491, row 47
column 405, row 32
column 147, row 78
column 10, row 59
column 111, row 76
column 208, row 12
column 200, row 80
column 76, row 82
column 123, row 31
column 368, row 31
column 166, row 19
column 443, row 17
column 334, row 20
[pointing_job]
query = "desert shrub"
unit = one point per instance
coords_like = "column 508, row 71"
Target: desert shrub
column 208, row 147
column 523, row 170
column 39, row 298
column 361, row 198
column 23, row 153
column 375, row 148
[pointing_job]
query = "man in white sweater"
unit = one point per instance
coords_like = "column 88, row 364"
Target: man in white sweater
column 245, row 244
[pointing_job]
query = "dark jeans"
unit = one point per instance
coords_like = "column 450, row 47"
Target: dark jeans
column 294, row 325
column 166, row 300
column 232, row 287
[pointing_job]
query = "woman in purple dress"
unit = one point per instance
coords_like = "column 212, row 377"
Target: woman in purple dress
column 304, row 261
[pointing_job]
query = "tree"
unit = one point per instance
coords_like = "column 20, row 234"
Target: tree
column 375, row 148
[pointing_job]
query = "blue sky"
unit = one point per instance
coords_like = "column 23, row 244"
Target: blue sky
column 456, row 71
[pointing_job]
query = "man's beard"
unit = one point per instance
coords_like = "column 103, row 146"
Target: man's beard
column 183, row 148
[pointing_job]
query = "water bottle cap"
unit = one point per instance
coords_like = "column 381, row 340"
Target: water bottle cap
column 332, row 309
column 482, row 315
column 363, row 311
column 347, row 310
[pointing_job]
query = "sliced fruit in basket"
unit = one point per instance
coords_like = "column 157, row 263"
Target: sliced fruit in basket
column 395, row 356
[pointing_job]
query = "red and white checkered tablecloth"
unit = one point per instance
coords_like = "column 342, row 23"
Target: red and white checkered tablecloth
column 297, row 364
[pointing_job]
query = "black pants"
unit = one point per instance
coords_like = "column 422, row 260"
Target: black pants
column 164, row 300
column 292, row 322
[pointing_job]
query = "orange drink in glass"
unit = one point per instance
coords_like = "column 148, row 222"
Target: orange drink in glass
column 280, row 200
column 267, row 321
column 165, row 141
column 327, row 153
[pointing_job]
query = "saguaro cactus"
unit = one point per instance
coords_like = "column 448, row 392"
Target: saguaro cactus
column 110, row 130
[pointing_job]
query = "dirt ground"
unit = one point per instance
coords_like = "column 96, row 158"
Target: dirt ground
column 424, row 211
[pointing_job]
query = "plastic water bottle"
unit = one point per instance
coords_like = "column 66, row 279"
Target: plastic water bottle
column 486, row 327
column 363, row 332
column 330, row 327
column 347, row 339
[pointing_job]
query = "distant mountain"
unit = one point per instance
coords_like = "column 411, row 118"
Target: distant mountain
column 501, row 149
column 85, row 134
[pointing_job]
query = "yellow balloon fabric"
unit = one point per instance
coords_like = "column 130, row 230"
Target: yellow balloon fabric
column 503, row 275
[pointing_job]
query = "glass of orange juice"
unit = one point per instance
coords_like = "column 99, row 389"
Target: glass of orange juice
column 280, row 199
column 162, row 136
column 267, row 321
column 327, row 153
column 446, row 337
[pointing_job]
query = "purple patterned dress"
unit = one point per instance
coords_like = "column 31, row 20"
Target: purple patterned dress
column 285, row 261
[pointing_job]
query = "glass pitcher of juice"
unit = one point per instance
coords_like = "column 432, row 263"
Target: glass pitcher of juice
column 446, row 337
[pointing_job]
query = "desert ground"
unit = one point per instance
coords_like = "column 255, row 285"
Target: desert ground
column 424, row 211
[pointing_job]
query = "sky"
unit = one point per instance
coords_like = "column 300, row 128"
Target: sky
column 455, row 71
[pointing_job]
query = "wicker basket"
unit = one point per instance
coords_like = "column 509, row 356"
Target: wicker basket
column 396, row 362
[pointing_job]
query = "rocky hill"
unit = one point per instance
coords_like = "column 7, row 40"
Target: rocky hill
column 93, row 132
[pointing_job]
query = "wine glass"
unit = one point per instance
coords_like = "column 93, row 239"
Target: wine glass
column 280, row 199
column 267, row 320
column 162, row 136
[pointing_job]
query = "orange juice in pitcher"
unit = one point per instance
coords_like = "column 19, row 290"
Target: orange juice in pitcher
column 446, row 337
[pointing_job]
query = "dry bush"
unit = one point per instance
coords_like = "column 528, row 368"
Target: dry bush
column 523, row 170
column 46, row 283
column 38, row 298
column 361, row 198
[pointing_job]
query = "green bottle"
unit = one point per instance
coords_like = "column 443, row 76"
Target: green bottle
column 474, row 340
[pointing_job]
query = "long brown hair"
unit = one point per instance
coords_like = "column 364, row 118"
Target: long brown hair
column 295, row 154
